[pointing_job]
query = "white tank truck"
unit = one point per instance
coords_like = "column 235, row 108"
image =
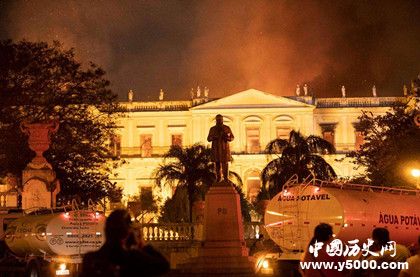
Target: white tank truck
column 352, row 210
column 50, row 242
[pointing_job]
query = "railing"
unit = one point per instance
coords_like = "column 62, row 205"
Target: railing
column 178, row 232
column 171, row 231
column 358, row 102
column 155, row 151
column 155, row 106
column 344, row 185
column 159, row 151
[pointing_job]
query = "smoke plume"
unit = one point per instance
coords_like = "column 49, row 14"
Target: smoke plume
column 231, row 46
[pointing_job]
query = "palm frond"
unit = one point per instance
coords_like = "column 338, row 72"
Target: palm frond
column 319, row 145
column 237, row 180
column 276, row 146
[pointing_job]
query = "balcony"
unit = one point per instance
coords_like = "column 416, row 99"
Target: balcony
column 137, row 152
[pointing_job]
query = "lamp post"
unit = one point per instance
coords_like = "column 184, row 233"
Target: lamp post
column 416, row 174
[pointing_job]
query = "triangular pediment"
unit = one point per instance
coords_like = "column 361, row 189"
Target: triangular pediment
column 252, row 98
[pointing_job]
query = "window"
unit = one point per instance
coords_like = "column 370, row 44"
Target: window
column 253, row 139
column 284, row 124
column 177, row 139
column 328, row 130
column 115, row 145
column 359, row 138
column 283, row 133
column 146, row 145
column 146, row 195
column 253, row 184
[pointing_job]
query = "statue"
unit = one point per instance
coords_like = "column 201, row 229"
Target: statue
column 305, row 89
column 343, row 91
column 130, row 95
column 161, row 93
column 206, row 92
column 374, row 91
column 198, row 92
column 405, row 90
column 219, row 136
column 297, row 90
column 415, row 85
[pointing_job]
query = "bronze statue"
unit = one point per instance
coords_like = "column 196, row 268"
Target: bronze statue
column 220, row 135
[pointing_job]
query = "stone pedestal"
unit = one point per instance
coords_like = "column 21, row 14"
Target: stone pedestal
column 223, row 250
column 40, row 186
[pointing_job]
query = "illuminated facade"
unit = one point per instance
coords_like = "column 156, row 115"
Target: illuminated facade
column 255, row 117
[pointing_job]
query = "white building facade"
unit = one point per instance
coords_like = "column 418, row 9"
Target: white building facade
column 148, row 129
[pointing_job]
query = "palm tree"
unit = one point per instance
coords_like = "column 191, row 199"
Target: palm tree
column 189, row 169
column 298, row 155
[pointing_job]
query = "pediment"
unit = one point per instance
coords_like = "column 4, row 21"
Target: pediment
column 252, row 98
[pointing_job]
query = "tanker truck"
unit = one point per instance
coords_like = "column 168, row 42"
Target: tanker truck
column 51, row 243
column 352, row 210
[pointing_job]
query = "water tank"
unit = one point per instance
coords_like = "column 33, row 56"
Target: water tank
column 64, row 234
column 352, row 210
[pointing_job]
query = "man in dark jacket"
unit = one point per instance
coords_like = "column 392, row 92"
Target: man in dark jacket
column 122, row 255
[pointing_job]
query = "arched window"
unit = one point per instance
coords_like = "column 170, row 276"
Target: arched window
column 284, row 124
column 252, row 132
column 253, row 184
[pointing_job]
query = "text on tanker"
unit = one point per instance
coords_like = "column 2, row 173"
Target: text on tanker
column 308, row 197
column 399, row 219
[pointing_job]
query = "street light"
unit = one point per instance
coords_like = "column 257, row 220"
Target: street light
column 416, row 174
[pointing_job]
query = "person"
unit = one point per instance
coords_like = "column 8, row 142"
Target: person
column 220, row 135
column 381, row 239
column 322, row 233
column 123, row 253
column 413, row 264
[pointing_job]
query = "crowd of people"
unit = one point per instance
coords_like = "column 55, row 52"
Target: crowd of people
column 323, row 233
column 125, row 254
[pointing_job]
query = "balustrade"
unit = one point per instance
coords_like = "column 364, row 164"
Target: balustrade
column 154, row 232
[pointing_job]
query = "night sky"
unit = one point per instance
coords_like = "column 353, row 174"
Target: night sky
column 230, row 46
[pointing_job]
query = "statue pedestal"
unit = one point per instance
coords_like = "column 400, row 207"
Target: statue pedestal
column 223, row 250
column 40, row 186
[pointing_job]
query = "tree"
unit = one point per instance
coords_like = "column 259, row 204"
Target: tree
column 299, row 155
column 41, row 82
column 142, row 205
column 176, row 209
column 190, row 169
column 391, row 145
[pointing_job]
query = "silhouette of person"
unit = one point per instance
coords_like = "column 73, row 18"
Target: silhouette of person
column 381, row 239
column 219, row 136
column 413, row 264
column 123, row 253
column 323, row 233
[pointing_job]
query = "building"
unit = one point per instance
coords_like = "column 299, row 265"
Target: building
column 148, row 129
